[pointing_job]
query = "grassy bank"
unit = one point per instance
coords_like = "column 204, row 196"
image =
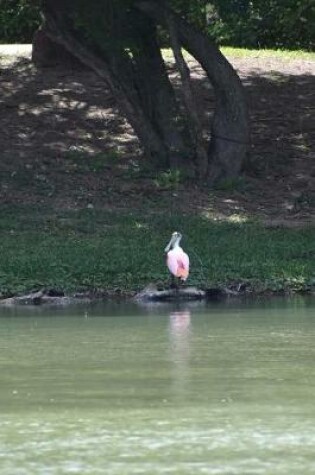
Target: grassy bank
column 268, row 53
column 89, row 161
column 92, row 249
column 280, row 54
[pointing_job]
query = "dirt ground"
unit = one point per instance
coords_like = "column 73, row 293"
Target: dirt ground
column 65, row 145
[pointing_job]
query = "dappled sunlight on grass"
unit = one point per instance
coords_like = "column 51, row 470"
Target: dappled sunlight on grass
column 52, row 110
column 101, row 249
column 101, row 217
column 214, row 215
column 237, row 218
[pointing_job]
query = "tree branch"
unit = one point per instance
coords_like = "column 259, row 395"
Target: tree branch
column 193, row 121
column 230, row 127
column 126, row 97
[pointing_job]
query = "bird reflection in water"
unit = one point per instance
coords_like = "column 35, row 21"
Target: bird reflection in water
column 180, row 335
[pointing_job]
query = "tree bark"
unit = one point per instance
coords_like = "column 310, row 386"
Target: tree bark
column 47, row 53
column 230, row 128
column 126, row 95
column 229, row 142
column 156, row 92
column 137, row 76
column 194, row 123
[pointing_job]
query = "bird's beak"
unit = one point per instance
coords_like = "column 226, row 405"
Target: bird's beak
column 168, row 247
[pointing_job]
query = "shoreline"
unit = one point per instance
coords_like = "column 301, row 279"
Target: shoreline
column 150, row 295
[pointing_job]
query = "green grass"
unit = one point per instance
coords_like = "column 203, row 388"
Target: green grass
column 268, row 53
column 92, row 249
column 232, row 52
column 81, row 162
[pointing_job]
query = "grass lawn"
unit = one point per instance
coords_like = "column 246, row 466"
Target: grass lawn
column 94, row 249
column 80, row 210
column 234, row 52
column 268, row 53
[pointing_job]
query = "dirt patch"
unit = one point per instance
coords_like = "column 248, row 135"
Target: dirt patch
column 65, row 145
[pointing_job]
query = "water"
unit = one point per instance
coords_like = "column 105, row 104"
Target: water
column 225, row 389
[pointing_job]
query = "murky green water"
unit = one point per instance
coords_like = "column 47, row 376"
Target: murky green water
column 129, row 390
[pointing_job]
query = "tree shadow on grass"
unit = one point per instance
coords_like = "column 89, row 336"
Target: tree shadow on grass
column 58, row 121
column 64, row 141
column 279, row 176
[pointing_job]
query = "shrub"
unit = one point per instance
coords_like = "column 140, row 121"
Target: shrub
column 18, row 21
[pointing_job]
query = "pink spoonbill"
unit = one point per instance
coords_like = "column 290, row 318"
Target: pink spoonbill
column 177, row 260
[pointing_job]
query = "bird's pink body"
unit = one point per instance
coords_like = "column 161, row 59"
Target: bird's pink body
column 178, row 262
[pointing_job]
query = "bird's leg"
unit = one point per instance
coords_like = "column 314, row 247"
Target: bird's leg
column 173, row 284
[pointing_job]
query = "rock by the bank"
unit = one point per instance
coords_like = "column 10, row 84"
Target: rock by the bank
column 41, row 297
column 152, row 294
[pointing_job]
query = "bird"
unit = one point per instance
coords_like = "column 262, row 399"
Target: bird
column 177, row 260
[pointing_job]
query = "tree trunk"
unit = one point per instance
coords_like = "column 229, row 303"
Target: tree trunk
column 156, row 92
column 230, row 128
column 125, row 93
column 129, row 60
column 47, row 53
column 194, row 123
column 229, row 142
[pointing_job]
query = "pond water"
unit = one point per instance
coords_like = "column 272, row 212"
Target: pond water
column 117, row 389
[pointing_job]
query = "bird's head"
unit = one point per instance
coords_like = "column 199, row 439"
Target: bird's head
column 174, row 241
